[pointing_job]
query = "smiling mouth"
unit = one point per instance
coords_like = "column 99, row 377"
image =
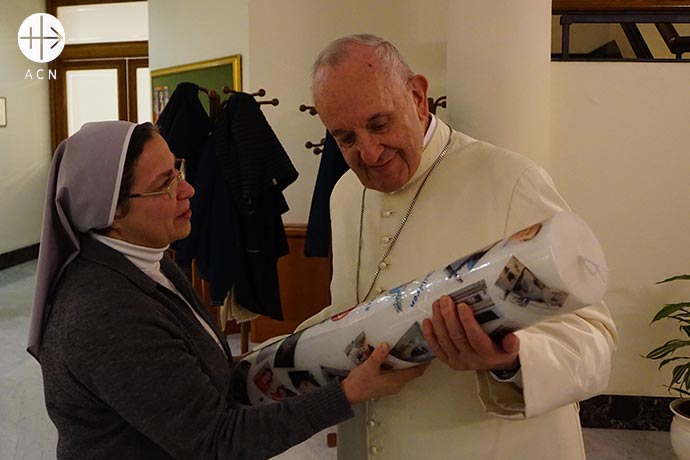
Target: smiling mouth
column 382, row 166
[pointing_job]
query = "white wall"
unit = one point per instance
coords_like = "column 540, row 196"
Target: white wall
column 617, row 148
column 620, row 147
column 284, row 39
column 25, row 142
column 498, row 73
column 182, row 32
column 278, row 42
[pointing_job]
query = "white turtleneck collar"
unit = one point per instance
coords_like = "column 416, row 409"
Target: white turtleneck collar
column 146, row 259
column 429, row 131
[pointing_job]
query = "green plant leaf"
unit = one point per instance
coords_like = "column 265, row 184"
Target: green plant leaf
column 667, row 348
column 674, row 278
column 670, row 309
column 679, row 375
column 668, row 360
column 677, row 389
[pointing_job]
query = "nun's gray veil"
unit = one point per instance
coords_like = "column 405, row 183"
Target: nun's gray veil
column 83, row 187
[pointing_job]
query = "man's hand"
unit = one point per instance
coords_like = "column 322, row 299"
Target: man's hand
column 368, row 380
column 457, row 339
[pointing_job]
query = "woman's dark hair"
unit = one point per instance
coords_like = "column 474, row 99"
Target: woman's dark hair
column 141, row 134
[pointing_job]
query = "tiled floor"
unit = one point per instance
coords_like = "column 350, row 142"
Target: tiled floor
column 26, row 432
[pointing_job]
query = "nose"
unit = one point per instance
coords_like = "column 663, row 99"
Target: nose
column 184, row 190
column 370, row 149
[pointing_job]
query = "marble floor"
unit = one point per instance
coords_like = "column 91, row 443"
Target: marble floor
column 27, row 433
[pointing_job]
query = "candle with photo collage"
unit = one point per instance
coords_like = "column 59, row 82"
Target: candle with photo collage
column 550, row 268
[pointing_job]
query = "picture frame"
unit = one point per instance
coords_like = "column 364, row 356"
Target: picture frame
column 212, row 74
column 3, row 112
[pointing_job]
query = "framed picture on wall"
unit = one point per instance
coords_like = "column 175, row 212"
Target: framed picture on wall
column 3, row 112
column 212, row 75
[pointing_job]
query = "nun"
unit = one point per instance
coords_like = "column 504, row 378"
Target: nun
column 133, row 365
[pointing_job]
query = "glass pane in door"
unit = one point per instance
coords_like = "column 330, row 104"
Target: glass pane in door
column 144, row 102
column 92, row 95
column 104, row 23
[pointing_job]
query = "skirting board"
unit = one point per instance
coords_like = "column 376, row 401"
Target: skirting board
column 18, row 256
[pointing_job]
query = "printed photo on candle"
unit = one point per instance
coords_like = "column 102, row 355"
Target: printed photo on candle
column 522, row 288
column 467, row 263
column 476, row 296
column 281, row 392
column 342, row 314
column 330, row 373
column 304, row 381
column 359, row 349
column 266, row 352
column 285, row 356
column 264, row 378
column 526, row 234
column 412, row 347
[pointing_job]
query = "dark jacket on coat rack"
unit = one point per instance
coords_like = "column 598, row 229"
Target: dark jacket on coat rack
column 331, row 168
column 185, row 126
column 256, row 169
column 237, row 230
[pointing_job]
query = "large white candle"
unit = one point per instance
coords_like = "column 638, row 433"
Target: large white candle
column 549, row 268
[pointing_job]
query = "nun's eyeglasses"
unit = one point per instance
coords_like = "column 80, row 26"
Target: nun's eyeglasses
column 170, row 185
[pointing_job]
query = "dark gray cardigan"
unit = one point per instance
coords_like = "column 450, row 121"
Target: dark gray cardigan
column 129, row 373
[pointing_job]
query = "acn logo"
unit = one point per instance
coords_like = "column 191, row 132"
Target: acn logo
column 41, row 37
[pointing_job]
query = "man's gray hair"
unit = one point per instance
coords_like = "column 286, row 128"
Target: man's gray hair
column 390, row 57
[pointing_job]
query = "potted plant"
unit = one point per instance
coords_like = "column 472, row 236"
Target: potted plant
column 680, row 377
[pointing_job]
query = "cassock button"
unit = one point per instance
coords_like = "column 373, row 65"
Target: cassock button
column 387, row 213
column 372, row 423
column 375, row 449
column 386, row 239
column 383, row 265
column 380, row 290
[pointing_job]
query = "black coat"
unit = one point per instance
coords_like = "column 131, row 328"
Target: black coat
column 185, row 126
column 238, row 208
column 331, row 168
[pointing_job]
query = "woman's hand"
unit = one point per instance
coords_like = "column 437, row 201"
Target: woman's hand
column 368, row 381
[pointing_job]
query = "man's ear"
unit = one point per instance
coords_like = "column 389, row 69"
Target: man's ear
column 419, row 86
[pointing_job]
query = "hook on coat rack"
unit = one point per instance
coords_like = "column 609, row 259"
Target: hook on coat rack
column 433, row 104
column 317, row 147
column 311, row 108
column 260, row 93
column 309, row 144
column 213, row 102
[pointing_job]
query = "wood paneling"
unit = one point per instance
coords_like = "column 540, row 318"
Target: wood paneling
column 132, row 66
column 59, row 91
column 304, row 288
column 619, row 5
column 105, row 50
column 53, row 5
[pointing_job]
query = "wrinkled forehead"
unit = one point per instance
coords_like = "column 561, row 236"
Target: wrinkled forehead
column 341, row 97
column 360, row 65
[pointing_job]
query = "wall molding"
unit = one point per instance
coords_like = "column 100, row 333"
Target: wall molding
column 18, row 256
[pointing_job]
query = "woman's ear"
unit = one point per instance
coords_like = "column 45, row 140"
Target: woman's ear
column 116, row 220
